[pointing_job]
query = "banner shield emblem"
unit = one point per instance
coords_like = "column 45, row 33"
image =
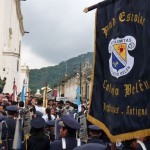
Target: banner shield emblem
column 120, row 62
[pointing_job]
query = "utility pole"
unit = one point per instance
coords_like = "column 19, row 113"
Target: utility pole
column 80, row 81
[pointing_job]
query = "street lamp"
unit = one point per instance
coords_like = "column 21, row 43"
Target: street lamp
column 80, row 73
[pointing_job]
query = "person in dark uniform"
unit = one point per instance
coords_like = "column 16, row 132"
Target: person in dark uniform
column 38, row 139
column 8, row 126
column 146, row 142
column 91, row 146
column 95, row 134
column 49, row 129
column 68, row 129
column 3, row 143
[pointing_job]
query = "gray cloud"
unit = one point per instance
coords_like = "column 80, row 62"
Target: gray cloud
column 58, row 29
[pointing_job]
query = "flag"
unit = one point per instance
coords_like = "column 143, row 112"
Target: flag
column 17, row 142
column 23, row 94
column 120, row 98
column 45, row 97
column 14, row 92
column 45, row 90
column 78, row 98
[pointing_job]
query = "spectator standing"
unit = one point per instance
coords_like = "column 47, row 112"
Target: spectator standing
column 40, row 107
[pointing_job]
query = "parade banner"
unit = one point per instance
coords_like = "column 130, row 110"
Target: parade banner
column 14, row 92
column 120, row 98
column 78, row 98
column 17, row 141
column 23, row 94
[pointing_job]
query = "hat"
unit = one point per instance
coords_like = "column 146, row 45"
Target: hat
column 37, row 122
column 50, row 122
column 89, row 146
column 70, row 122
column 12, row 108
column 38, row 114
column 2, row 118
column 94, row 127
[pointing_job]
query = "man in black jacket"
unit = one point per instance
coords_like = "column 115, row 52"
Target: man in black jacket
column 8, row 126
column 38, row 140
column 95, row 134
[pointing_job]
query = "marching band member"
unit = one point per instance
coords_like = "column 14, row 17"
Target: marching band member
column 68, row 129
column 8, row 126
column 37, row 140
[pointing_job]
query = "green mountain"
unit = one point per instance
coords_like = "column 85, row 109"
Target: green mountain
column 55, row 74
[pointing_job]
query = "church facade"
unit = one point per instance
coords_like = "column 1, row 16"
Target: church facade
column 11, row 33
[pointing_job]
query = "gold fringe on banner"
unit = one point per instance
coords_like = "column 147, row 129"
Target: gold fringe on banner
column 120, row 137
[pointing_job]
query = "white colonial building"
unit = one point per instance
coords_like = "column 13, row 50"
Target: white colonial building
column 24, row 79
column 11, row 32
column 67, row 87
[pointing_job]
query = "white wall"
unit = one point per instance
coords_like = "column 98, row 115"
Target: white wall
column 10, row 41
column 1, row 33
column 70, row 87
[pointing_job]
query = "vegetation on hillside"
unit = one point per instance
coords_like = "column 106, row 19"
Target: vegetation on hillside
column 54, row 74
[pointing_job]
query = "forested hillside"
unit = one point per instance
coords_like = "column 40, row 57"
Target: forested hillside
column 53, row 74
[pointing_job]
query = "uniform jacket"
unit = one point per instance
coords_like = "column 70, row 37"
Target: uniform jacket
column 9, row 131
column 37, row 144
column 71, row 143
column 11, row 123
column 95, row 139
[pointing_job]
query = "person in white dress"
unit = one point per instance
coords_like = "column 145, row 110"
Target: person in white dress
column 48, row 116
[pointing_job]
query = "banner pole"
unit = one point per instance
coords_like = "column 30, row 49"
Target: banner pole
column 87, row 9
column 46, row 96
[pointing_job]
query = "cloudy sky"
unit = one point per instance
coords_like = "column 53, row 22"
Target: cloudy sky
column 59, row 30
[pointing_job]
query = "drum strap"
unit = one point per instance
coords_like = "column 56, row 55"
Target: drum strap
column 78, row 142
column 63, row 143
column 142, row 145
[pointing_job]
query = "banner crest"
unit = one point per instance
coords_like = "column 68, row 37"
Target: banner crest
column 120, row 62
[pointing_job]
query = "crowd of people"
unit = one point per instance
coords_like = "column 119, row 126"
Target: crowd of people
column 53, row 128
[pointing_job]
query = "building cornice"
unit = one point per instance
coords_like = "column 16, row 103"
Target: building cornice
column 20, row 17
column 11, row 54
